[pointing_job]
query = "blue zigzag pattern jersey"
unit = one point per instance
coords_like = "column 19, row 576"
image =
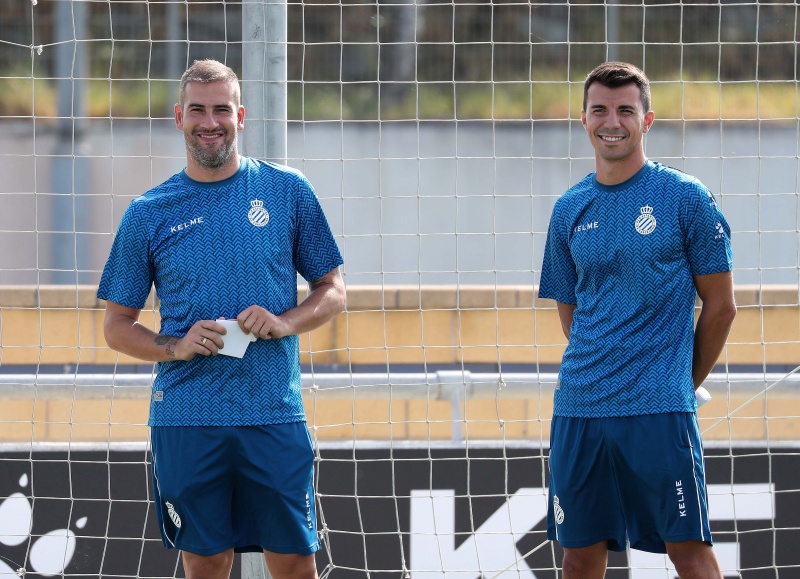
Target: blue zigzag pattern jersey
column 212, row 250
column 626, row 255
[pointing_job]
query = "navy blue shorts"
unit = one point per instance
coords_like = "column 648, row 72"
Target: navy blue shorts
column 637, row 479
column 243, row 487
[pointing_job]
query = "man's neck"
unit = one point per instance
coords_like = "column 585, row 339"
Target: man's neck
column 616, row 172
column 205, row 175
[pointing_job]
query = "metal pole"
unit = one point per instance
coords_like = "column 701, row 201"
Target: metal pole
column 68, row 210
column 399, row 54
column 369, row 386
column 264, row 79
column 612, row 30
column 454, row 385
column 177, row 54
column 264, row 76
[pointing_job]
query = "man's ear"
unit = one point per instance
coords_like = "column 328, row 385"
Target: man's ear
column 178, row 117
column 649, row 119
column 240, row 118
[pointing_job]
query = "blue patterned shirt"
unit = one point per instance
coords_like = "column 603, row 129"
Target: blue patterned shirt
column 626, row 255
column 212, row 250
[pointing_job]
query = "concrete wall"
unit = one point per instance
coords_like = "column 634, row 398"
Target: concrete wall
column 431, row 327
column 410, row 203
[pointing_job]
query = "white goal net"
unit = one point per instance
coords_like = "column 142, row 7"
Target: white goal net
column 438, row 136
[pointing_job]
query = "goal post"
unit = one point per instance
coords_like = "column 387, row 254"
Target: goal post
column 264, row 80
column 437, row 135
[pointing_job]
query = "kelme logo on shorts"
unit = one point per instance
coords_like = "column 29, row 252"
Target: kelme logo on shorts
column 172, row 514
column 558, row 511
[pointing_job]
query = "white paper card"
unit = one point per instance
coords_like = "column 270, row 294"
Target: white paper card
column 701, row 395
column 235, row 341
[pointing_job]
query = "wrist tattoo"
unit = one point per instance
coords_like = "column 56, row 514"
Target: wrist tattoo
column 169, row 341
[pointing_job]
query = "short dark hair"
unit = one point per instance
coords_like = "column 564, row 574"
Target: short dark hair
column 206, row 71
column 617, row 74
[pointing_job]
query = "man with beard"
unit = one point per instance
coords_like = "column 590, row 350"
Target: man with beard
column 224, row 239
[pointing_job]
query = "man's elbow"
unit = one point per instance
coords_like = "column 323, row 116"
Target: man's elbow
column 110, row 336
column 340, row 299
column 730, row 313
column 726, row 313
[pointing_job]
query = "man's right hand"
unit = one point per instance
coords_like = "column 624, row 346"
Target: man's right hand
column 125, row 334
column 203, row 338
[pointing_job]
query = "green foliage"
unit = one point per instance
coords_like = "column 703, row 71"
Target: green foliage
column 26, row 96
column 542, row 99
column 22, row 96
column 697, row 100
column 131, row 98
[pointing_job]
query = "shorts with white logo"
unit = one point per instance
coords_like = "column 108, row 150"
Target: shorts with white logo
column 637, row 479
column 243, row 487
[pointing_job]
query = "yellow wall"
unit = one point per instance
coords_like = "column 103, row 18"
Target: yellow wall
column 395, row 325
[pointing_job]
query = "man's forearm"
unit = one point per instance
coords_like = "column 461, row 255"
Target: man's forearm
column 711, row 333
column 135, row 340
column 566, row 313
column 325, row 301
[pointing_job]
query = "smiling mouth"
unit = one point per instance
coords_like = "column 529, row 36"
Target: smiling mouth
column 209, row 136
column 610, row 138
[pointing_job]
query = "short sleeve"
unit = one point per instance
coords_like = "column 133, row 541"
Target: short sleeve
column 559, row 275
column 315, row 249
column 128, row 274
column 708, row 235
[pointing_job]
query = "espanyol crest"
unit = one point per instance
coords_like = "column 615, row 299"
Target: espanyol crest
column 645, row 223
column 558, row 511
column 257, row 215
column 172, row 514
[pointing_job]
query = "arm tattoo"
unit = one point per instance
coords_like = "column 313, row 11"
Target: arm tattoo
column 169, row 341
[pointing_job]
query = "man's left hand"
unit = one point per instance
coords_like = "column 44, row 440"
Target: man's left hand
column 262, row 324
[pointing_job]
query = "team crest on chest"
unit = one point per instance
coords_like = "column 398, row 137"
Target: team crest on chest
column 257, row 215
column 645, row 223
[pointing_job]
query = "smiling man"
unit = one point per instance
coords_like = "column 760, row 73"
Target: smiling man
column 629, row 248
column 232, row 460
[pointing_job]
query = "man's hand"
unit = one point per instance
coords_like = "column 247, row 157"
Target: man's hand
column 326, row 300
column 203, row 338
column 125, row 334
column 262, row 324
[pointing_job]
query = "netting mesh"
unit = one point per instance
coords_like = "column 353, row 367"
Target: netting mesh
column 438, row 136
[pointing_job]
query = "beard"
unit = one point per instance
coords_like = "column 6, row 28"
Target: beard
column 210, row 159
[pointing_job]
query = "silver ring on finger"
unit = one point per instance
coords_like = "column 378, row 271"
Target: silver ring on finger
column 203, row 341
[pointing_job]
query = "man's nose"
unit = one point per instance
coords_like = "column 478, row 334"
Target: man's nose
column 612, row 119
column 208, row 120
